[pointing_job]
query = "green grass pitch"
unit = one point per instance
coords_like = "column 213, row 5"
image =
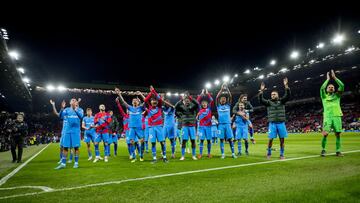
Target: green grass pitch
column 309, row 179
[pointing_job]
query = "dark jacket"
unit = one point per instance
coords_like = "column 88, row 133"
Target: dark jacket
column 19, row 130
column 276, row 108
column 187, row 114
column 114, row 125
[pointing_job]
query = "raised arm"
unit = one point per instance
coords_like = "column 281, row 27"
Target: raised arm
column 168, row 104
column 323, row 86
column 62, row 111
column 211, row 100
column 341, row 85
column 147, row 98
column 158, row 97
column 145, row 113
column 287, row 94
column 141, row 95
column 177, row 109
column 219, row 93
column 195, row 102
column 79, row 112
column 198, row 98
column 121, row 110
column 118, row 92
column 53, row 107
column 262, row 100
column 230, row 95
column 224, row 88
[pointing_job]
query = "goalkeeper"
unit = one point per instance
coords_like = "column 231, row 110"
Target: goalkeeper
column 332, row 117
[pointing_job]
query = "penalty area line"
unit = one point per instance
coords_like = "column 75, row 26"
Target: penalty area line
column 168, row 175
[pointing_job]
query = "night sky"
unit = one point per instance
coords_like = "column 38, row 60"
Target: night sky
column 166, row 49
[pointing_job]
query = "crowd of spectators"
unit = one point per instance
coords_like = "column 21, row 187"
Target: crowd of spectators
column 303, row 118
column 42, row 129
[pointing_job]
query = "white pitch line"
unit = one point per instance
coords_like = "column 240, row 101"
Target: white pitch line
column 168, row 175
column 8, row 176
column 44, row 188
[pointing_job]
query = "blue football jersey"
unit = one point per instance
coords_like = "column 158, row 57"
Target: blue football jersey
column 135, row 116
column 224, row 114
column 73, row 118
column 89, row 121
column 169, row 118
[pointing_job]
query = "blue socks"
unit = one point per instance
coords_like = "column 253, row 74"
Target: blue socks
column 137, row 147
column 201, row 146
column 76, row 158
column 246, row 146
column 129, row 148
column 282, row 149
column 71, row 156
column 97, row 153
column 105, row 150
column 142, row 147
column 89, row 154
column 163, row 148
column 173, row 142
column 107, row 147
column 153, row 150
column 182, row 151
column 133, row 148
column 209, row 146
column 222, row 147
column 239, row 146
column 269, row 151
column 231, row 146
column 63, row 160
column 251, row 133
